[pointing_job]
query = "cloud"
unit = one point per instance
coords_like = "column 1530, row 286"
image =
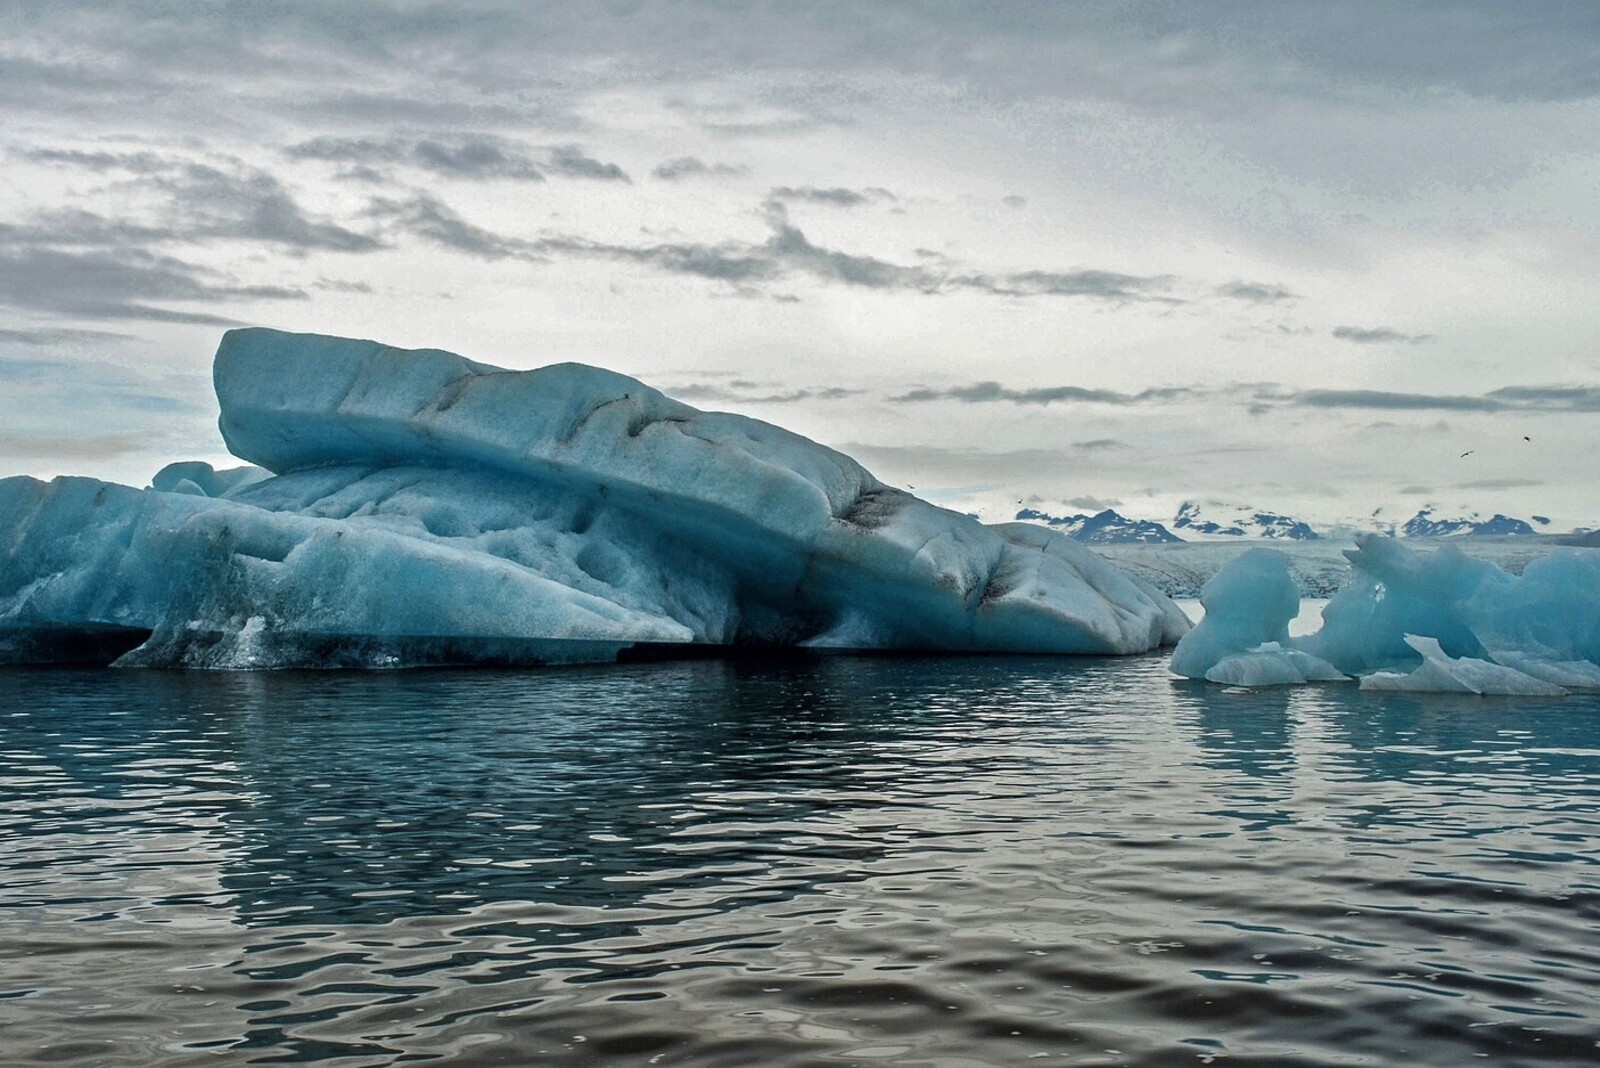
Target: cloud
column 228, row 200
column 99, row 161
column 51, row 336
column 1095, row 504
column 1014, row 201
column 1500, row 483
column 1100, row 445
column 748, row 393
column 468, row 156
column 1530, row 399
column 121, row 284
column 786, row 251
column 569, row 160
column 1381, row 399
column 429, row 218
column 1378, row 335
column 250, row 205
column 675, row 170
column 86, row 448
column 987, row 392
column 1256, row 293
column 1551, row 398
column 836, row 196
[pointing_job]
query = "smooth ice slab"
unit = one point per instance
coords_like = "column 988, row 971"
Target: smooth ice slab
column 1441, row 673
column 415, row 506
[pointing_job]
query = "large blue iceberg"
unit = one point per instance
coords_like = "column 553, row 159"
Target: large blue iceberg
column 415, row 507
column 1441, row 622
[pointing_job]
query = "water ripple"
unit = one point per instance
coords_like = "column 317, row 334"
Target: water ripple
column 840, row 861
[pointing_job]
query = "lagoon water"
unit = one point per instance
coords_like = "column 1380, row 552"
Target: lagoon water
column 908, row 861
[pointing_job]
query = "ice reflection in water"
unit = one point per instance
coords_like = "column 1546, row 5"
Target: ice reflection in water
column 837, row 860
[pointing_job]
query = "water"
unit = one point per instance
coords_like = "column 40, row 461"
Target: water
column 838, row 861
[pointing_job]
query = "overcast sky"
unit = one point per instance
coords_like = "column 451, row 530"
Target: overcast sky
column 1300, row 256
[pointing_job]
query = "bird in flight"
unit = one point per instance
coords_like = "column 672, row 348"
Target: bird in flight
column 1469, row 452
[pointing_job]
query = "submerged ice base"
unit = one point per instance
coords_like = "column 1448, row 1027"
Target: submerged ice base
column 416, row 507
column 1407, row 622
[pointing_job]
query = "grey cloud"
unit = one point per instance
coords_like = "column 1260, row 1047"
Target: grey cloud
column 746, row 393
column 1100, row 445
column 986, row 392
column 91, row 447
column 1094, row 504
column 1380, row 399
column 202, row 202
column 1017, row 202
column 786, row 251
column 100, row 160
column 511, row 62
column 571, row 161
column 1104, row 285
column 675, row 170
column 50, row 336
column 1256, row 292
column 429, row 218
column 1500, row 483
column 1378, row 335
column 1530, row 399
column 474, row 157
column 1553, row 398
column 471, row 156
column 250, row 206
column 836, row 196
column 97, row 284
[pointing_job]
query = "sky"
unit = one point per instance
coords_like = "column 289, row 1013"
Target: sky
column 1323, row 259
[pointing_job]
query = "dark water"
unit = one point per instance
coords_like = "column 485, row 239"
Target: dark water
column 840, row 861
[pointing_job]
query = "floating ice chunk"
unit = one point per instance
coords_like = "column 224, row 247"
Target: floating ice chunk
column 1441, row 673
column 1249, row 603
column 1272, row 665
column 424, row 508
column 1475, row 628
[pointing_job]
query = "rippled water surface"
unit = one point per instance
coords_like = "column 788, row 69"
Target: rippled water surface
column 831, row 861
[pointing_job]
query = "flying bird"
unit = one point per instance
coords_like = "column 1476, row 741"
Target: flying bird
column 1469, row 452
column 1526, row 438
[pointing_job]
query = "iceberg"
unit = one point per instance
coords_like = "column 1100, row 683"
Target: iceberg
column 1441, row 622
column 409, row 507
column 1243, row 639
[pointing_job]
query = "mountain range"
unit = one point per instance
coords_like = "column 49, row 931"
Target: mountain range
column 1221, row 522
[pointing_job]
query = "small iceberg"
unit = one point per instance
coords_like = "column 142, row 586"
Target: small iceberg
column 1442, row 622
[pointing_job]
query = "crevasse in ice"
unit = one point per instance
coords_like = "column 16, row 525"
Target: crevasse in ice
column 1440, row 622
column 412, row 507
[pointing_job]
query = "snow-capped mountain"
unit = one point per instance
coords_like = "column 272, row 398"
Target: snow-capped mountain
column 1104, row 528
column 1426, row 525
column 1221, row 520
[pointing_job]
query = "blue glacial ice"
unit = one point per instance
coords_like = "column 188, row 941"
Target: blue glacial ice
column 1437, row 622
column 415, row 507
